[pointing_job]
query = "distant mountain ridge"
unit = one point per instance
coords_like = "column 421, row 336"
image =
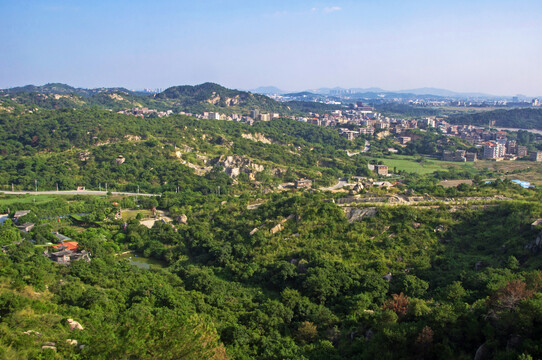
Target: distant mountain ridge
column 268, row 90
column 62, row 89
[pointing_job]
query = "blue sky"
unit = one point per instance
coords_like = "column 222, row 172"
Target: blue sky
column 477, row 46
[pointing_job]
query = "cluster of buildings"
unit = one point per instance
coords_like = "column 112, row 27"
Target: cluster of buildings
column 63, row 252
column 145, row 112
column 494, row 144
column 254, row 115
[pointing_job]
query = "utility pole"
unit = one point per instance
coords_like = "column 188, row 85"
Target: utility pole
column 56, row 187
column 11, row 187
column 105, row 187
column 36, row 184
column 100, row 185
column 137, row 189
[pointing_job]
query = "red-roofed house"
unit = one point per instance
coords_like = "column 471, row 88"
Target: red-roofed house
column 68, row 245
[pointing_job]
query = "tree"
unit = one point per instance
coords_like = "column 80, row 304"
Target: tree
column 306, row 332
column 508, row 297
column 9, row 233
column 398, row 304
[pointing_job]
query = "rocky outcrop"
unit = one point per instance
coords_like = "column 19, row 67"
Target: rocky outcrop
column 71, row 342
column 83, row 155
column 275, row 229
column 233, row 165
column 183, row 219
column 74, row 325
column 120, row 160
column 356, row 214
column 535, row 245
column 32, row 332
column 132, row 137
column 49, row 345
column 257, row 137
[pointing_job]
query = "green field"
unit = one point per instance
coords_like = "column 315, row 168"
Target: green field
column 409, row 164
column 25, row 199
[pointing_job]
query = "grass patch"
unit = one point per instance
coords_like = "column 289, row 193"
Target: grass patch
column 427, row 166
column 26, row 199
column 131, row 214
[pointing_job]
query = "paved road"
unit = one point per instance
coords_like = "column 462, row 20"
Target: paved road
column 75, row 192
column 342, row 183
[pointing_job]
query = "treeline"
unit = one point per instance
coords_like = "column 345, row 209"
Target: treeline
column 516, row 118
column 404, row 110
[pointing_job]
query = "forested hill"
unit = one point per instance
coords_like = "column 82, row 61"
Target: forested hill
column 194, row 99
column 78, row 148
column 516, row 118
column 59, row 88
column 208, row 94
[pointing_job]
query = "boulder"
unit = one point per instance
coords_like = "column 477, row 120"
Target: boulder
column 275, row 229
column 32, row 332
column 183, row 219
column 482, row 353
column 74, row 325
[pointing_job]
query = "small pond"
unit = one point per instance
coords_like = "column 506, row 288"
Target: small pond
column 142, row 262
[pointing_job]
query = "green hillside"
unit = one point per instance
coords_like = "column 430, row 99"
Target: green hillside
column 244, row 264
column 516, row 118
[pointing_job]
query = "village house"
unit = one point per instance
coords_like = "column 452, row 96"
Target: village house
column 26, row 227
column 19, row 214
column 67, row 253
column 381, row 170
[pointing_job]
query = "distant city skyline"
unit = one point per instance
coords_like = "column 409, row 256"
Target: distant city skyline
column 481, row 46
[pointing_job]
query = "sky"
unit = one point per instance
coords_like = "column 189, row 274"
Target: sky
column 492, row 46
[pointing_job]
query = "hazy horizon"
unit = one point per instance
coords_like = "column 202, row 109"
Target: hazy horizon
column 462, row 46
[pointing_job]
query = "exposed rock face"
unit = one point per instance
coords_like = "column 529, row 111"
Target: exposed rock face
column 74, row 325
column 216, row 99
column 49, row 345
column 132, row 137
column 256, row 137
column 535, row 245
column 275, row 229
column 120, row 160
column 32, row 332
column 83, row 155
column 234, row 165
column 357, row 214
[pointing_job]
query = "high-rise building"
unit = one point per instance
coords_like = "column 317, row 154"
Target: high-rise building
column 536, row 156
column 494, row 151
column 265, row 117
column 522, row 151
column 511, row 147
